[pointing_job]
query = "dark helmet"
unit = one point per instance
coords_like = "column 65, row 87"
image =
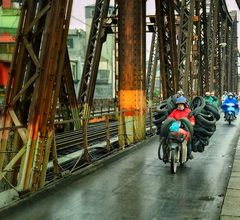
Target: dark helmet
column 181, row 100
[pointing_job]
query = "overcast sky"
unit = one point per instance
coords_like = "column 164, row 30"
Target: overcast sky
column 78, row 12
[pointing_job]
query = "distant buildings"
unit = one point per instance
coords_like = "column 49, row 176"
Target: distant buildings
column 9, row 17
column 77, row 45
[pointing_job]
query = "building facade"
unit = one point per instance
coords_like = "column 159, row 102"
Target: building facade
column 76, row 44
column 9, row 18
column 106, row 77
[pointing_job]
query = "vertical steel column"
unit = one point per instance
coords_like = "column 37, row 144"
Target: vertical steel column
column 33, row 87
column 185, row 46
column 203, row 76
column 229, row 59
column 97, row 37
column 167, row 46
column 234, row 59
column 132, row 92
column 152, row 66
column 217, row 77
column 212, row 41
column 67, row 93
column 223, row 55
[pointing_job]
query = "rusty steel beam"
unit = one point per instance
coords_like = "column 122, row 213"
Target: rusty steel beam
column 167, row 46
column 67, row 96
column 97, row 37
column 37, row 69
column 203, row 76
column 229, row 58
column 223, row 66
column 217, row 77
column 212, row 42
column 234, row 55
column 132, row 88
column 185, row 46
column 152, row 67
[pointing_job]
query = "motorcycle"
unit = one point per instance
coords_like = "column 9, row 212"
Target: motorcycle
column 173, row 149
column 230, row 112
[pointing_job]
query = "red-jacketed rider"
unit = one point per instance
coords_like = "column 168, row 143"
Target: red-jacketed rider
column 182, row 111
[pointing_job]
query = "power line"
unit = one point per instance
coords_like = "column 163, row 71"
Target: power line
column 72, row 16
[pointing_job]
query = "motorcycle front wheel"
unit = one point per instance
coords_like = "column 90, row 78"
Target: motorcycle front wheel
column 229, row 120
column 160, row 150
column 174, row 160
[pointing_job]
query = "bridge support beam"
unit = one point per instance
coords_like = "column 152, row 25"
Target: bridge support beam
column 132, row 95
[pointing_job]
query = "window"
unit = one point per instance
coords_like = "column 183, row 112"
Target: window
column 70, row 43
column 74, row 71
column 103, row 76
column 7, row 48
column 103, row 91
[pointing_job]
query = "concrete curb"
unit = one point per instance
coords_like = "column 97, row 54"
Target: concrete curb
column 231, row 204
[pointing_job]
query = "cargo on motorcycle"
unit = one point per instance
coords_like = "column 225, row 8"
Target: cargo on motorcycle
column 176, row 133
column 184, row 127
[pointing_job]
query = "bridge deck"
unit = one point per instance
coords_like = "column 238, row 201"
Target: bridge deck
column 139, row 186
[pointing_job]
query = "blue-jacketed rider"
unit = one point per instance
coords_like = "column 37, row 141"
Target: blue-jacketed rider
column 228, row 100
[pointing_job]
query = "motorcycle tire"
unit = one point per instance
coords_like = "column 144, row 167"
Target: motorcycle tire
column 213, row 110
column 174, row 160
column 171, row 104
column 207, row 119
column 158, row 122
column 165, row 127
column 203, row 132
column 197, row 104
column 229, row 120
column 162, row 107
column 161, row 149
column 187, row 125
column 208, row 127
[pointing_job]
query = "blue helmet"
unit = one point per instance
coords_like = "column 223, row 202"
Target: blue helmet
column 181, row 100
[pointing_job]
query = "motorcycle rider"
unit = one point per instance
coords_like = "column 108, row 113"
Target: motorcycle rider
column 180, row 93
column 224, row 96
column 215, row 99
column 228, row 100
column 208, row 98
column 183, row 111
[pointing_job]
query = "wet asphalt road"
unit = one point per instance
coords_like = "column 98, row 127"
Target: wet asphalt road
column 139, row 186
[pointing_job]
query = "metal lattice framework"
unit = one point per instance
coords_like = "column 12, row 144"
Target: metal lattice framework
column 234, row 54
column 203, row 76
column 202, row 49
column 32, row 92
column 167, row 46
column 212, row 41
column 152, row 66
column 185, row 46
column 222, row 45
column 97, row 37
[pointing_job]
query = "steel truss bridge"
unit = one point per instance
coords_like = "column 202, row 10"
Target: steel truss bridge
column 193, row 41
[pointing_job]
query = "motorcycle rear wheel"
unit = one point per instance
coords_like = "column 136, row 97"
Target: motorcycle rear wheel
column 174, row 160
